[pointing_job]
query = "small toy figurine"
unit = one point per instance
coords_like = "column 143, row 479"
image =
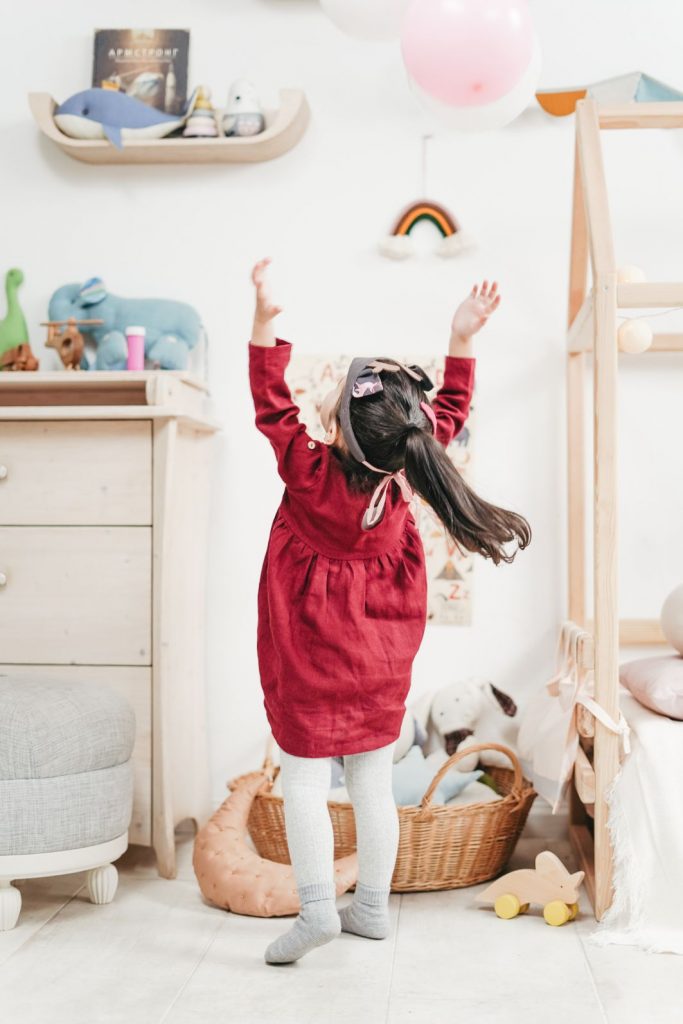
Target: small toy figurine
column 550, row 884
column 65, row 337
column 15, row 350
column 201, row 124
column 243, row 114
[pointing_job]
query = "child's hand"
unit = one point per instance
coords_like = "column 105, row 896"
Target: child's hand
column 265, row 309
column 472, row 314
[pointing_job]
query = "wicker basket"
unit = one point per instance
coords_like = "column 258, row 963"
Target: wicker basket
column 440, row 847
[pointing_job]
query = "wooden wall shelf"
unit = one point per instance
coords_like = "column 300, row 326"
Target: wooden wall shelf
column 284, row 128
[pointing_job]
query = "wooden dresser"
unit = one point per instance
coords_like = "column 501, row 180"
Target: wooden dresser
column 104, row 500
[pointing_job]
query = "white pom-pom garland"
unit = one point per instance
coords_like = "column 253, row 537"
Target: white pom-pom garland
column 634, row 336
column 630, row 274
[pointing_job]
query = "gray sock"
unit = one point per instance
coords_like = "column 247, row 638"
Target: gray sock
column 317, row 923
column 368, row 914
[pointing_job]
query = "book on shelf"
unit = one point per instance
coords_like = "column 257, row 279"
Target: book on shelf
column 149, row 64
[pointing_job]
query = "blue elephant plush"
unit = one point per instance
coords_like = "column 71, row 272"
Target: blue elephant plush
column 172, row 328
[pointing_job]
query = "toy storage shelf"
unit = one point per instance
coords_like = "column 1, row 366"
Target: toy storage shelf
column 284, row 128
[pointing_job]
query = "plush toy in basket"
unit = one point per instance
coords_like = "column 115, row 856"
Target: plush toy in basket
column 466, row 714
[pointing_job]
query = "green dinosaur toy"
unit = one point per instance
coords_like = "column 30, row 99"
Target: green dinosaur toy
column 15, row 351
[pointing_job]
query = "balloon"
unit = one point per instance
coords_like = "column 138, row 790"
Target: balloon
column 467, row 53
column 367, row 19
column 490, row 115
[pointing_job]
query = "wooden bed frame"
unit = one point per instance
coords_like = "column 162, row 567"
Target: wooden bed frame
column 593, row 329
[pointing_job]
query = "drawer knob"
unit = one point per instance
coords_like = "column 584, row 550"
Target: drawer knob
column 3, row 472
column 3, row 579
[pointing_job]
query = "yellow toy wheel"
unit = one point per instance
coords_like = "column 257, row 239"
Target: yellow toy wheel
column 556, row 913
column 507, row 906
column 573, row 910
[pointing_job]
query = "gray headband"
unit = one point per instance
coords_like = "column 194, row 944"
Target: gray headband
column 364, row 378
column 355, row 370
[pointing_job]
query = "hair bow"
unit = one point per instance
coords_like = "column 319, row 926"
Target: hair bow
column 368, row 381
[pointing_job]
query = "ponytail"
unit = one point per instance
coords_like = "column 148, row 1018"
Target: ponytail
column 471, row 522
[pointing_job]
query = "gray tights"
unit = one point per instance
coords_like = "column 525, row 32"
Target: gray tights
column 305, row 787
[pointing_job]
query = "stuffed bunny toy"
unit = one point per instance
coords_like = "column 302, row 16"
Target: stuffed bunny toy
column 466, row 713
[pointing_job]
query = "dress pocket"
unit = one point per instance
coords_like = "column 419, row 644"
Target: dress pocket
column 395, row 589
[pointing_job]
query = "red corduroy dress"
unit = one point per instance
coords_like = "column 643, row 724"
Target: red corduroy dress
column 341, row 610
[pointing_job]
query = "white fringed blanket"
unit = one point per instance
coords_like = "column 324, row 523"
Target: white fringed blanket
column 646, row 823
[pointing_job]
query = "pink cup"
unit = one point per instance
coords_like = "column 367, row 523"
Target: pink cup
column 135, row 337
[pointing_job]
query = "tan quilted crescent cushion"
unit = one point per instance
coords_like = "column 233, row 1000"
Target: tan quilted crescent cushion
column 657, row 683
column 231, row 874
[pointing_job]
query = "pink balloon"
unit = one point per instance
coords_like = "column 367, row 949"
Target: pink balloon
column 467, row 52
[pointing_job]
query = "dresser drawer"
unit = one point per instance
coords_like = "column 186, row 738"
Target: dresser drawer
column 75, row 595
column 135, row 684
column 62, row 473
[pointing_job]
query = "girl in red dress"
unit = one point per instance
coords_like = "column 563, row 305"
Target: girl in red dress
column 343, row 594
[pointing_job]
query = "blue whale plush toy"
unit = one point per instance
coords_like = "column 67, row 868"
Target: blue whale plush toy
column 106, row 113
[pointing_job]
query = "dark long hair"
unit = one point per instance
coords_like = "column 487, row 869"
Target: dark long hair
column 395, row 433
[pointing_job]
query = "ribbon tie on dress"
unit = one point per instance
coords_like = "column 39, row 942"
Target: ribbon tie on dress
column 375, row 509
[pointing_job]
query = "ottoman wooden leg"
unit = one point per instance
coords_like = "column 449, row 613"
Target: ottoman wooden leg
column 102, row 883
column 10, row 904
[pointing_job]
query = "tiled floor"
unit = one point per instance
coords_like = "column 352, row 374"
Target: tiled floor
column 159, row 954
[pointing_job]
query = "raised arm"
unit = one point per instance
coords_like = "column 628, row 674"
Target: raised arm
column 265, row 311
column 452, row 402
column 299, row 458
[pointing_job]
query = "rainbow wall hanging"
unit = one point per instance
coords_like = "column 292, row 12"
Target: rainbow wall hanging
column 399, row 245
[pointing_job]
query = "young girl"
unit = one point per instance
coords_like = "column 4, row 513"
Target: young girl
column 343, row 594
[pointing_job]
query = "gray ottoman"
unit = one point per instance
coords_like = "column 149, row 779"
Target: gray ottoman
column 66, row 785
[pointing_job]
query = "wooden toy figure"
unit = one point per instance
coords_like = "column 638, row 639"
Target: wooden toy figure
column 65, row 337
column 549, row 884
column 201, row 124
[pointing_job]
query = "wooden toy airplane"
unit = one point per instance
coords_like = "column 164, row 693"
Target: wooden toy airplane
column 65, row 337
column 549, row 884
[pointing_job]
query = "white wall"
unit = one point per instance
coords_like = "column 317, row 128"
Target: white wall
column 193, row 232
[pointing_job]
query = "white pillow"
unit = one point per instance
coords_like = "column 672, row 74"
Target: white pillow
column 657, row 683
